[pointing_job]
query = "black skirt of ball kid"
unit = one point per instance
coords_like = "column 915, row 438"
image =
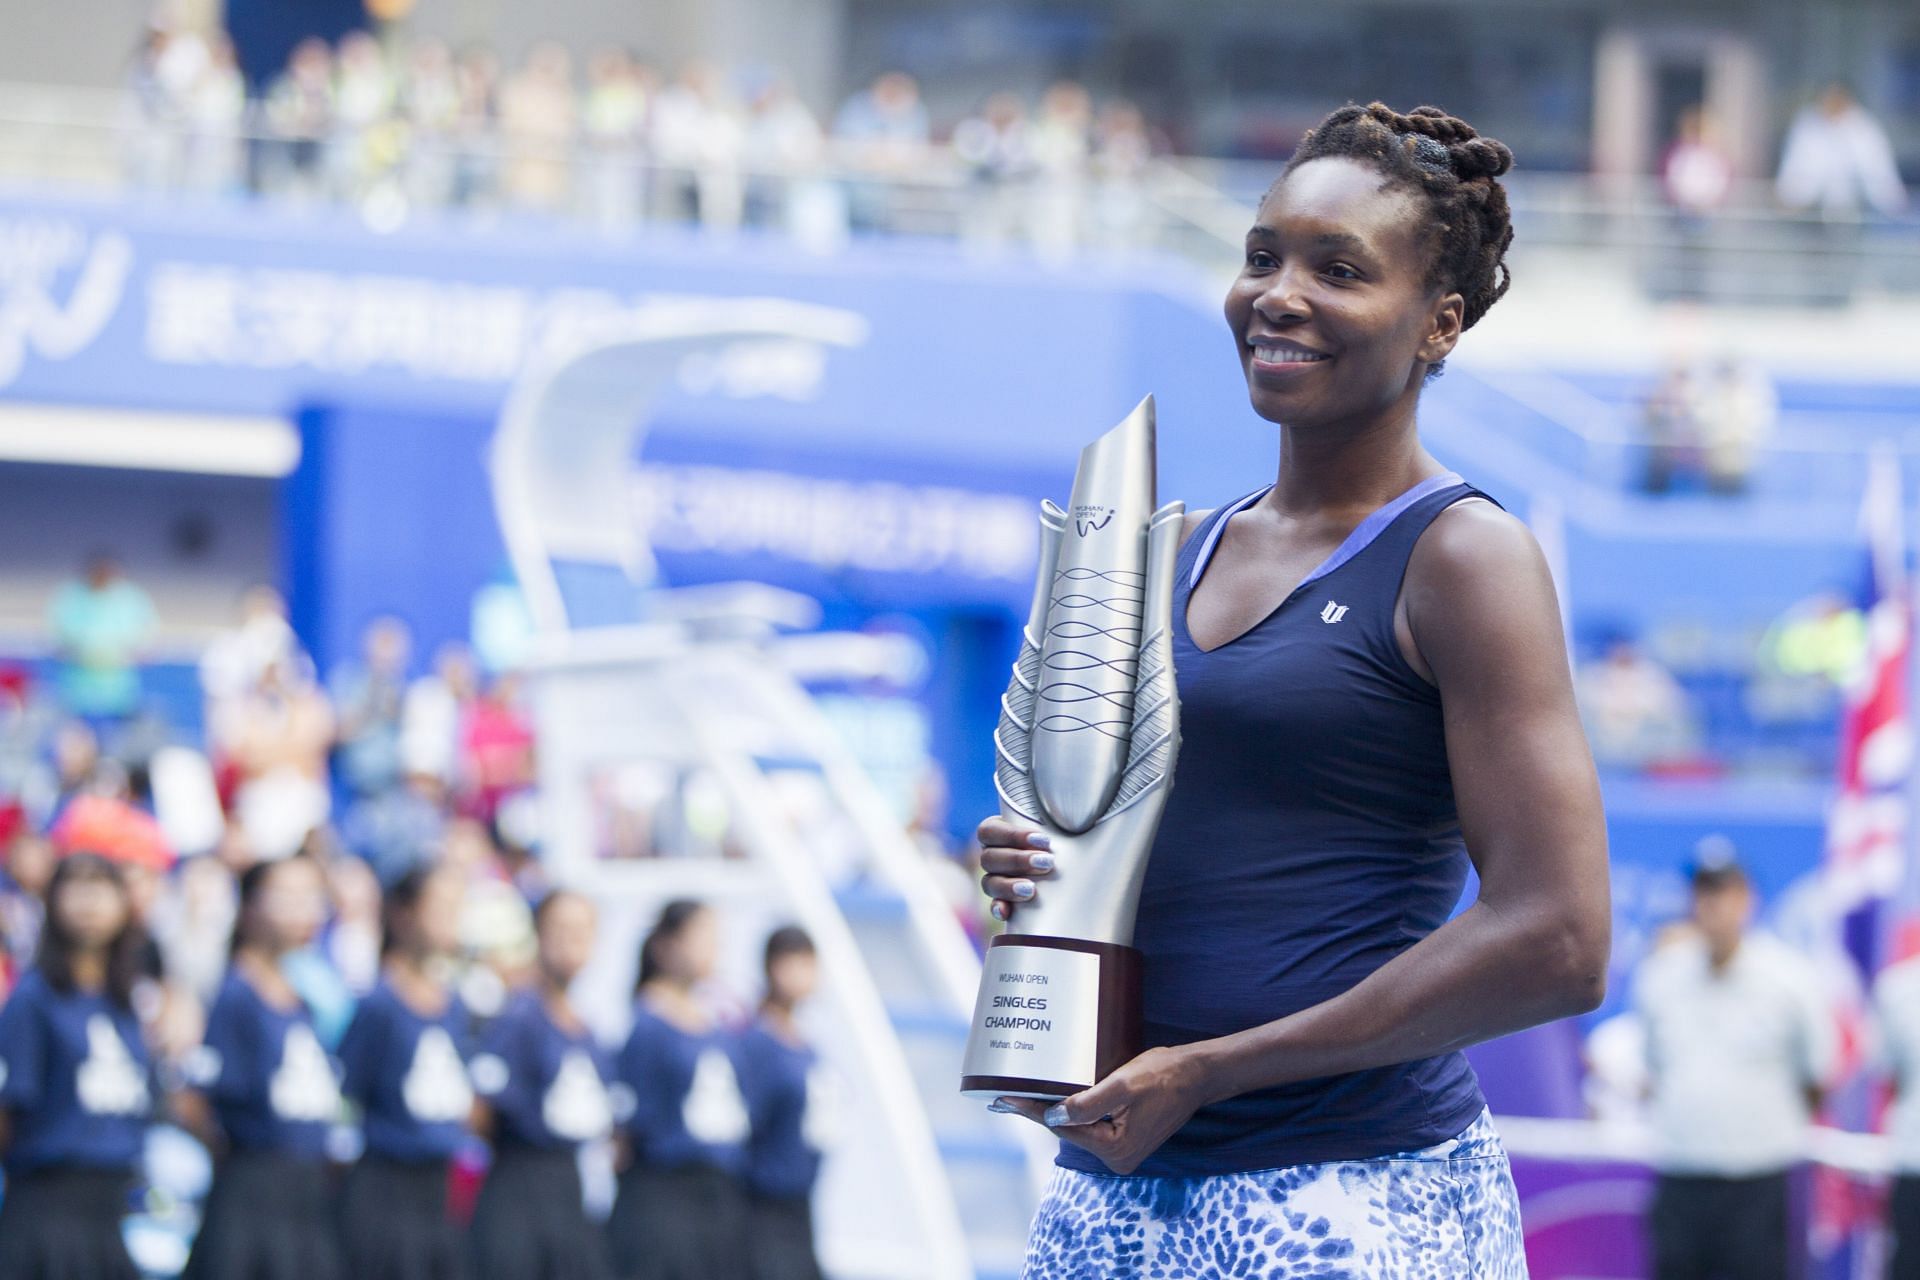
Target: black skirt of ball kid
column 678, row 1224
column 530, row 1222
column 269, row 1216
column 394, row 1223
column 781, row 1232
column 64, row 1224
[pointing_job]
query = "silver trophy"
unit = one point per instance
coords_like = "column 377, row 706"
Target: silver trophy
column 1089, row 727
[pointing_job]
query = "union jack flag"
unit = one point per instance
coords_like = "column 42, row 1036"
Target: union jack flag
column 1868, row 877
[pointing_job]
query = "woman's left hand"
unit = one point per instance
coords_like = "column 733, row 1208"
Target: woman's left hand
column 1125, row 1117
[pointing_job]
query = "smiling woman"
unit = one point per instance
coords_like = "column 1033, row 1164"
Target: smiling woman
column 1374, row 695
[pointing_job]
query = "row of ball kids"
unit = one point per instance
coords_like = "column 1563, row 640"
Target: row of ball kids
column 717, row 1127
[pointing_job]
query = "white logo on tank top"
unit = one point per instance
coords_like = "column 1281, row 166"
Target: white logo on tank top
column 714, row 1112
column 575, row 1107
column 436, row 1088
column 110, row 1082
column 303, row 1086
column 1333, row 612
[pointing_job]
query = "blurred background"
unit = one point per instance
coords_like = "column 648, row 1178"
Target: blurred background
column 599, row 444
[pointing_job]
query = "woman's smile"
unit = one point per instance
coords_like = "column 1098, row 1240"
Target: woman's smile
column 1281, row 360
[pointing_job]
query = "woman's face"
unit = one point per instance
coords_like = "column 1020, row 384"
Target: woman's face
column 292, row 905
column 566, row 937
column 793, row 978
column 1331, row 311
column 436, row 915
column 91, row 909
column 692, row 954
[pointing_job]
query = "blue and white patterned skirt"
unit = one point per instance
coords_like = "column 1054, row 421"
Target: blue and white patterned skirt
column 1448, row 1212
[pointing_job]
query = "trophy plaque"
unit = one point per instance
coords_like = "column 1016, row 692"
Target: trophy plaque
column 1089, row 727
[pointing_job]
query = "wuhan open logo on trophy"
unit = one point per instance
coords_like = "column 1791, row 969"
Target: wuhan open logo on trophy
column 1089, row 728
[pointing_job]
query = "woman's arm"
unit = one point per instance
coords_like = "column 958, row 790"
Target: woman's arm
column 1480, row 608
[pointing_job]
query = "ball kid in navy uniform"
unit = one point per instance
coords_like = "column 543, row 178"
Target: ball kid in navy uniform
column 789, row 1103
column 266, row 1095
column 403, row 1061
column 680, row 1213
column 541, row 1080
column 76, row 1086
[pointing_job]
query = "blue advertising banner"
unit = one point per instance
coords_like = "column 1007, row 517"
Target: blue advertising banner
column 249, row 309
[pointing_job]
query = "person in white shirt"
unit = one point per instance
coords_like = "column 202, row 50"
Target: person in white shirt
column 1738, row 1045
column 1837, row 161
column 1896, row 1044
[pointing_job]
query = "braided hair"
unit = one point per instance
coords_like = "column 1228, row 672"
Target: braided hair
column 1445, row 161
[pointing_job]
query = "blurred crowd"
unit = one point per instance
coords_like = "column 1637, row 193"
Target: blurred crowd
column 324, row 948
column 1690, row 700
column 392, row 126
column 1705, row 424
column 1836, row 163
column 1733, row 1043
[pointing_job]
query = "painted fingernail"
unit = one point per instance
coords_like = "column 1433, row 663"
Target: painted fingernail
column 1041, row 862
column 1056, row 1115
column 999, row 911
column 1039, row 840
column 1001, row 1107
column 1023, row 889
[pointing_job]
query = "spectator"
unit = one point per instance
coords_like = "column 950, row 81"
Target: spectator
column 400, row 828
column 1671, row 427
column 1735, row 413
column 1696, row 173
column 1822, row 638
column 76, row 766
column 193, row 922
column 1896, row 1041
column 476, row 123
column 1837, row 161
column 1738, row 1047
column 497, row 747
column 994, row 148
column 1062, row 145
column 351, row 941
column 433, row 721
column 365, row 94
column 101, row 623
column 279, row 737
column 612, row 117
column 298, row 110
column 681, row 1212
column 782, row 150
column 1635, row 712
column 404, row 1063
column 884, row 130
column 233, row 662
column 23, row 886
column 887, row 122
column 697, row 139
column 537, row 124
column 265, row 1095
column 542, row 1083
column 75, row 1091
column 1123, row 148
column 215, row 111
column 790, row 1103
column 367, row 699
column 429, row 103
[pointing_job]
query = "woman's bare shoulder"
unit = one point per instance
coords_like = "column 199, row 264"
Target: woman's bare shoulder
column 1193, row 521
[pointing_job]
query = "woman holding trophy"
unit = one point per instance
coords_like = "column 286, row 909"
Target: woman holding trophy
column 1372, row 694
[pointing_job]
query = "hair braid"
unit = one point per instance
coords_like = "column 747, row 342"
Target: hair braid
column 1445, row 160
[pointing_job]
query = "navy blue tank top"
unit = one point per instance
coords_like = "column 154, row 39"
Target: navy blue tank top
column 1310, row 837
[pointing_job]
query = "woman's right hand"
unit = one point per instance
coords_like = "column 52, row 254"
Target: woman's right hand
column 1014, row 857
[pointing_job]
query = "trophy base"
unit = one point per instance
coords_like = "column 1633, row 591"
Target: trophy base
column 1055, row 1016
